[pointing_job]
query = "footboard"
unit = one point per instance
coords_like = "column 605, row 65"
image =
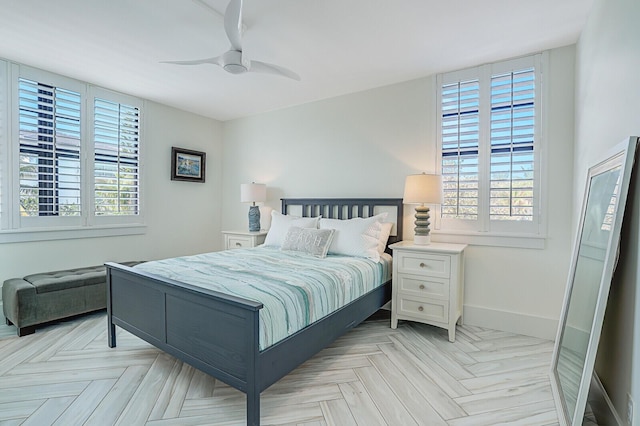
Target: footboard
column 184, row 321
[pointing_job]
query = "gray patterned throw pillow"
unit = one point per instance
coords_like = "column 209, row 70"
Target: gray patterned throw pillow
column 308, row 240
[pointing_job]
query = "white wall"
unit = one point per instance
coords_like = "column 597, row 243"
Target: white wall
column 182, row 217
column 364, row 144
column 607, row 112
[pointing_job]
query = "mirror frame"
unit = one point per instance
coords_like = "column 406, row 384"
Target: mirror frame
column 623, row 155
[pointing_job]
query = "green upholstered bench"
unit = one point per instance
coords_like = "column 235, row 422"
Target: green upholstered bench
column 44, row 297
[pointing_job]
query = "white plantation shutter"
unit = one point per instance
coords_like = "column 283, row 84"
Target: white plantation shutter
column 488, row 132
column 116, row 160
column 512, row 146
column 49, row 159
column 609, row 216
column 460, row 141
column 69, row 158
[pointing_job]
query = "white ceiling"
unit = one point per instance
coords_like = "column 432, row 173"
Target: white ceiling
column 337, row 46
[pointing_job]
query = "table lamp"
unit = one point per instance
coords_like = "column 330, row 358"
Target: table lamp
column 253, row 193
column 422, row 189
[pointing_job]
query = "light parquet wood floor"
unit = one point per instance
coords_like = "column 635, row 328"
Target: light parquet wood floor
column 65, row 374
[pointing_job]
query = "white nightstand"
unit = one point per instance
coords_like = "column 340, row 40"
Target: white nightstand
column 428, row 284
column 243, row 239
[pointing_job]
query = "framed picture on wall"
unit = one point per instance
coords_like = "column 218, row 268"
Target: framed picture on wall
column 187, row 164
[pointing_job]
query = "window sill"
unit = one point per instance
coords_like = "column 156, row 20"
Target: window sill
column 50, row 234
column 527, row 241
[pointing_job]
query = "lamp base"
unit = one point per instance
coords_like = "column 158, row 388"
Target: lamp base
column 423, row 236
column 254, row 218
column 422, row 240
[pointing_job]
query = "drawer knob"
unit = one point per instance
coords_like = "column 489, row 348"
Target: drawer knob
column 422, row 265
column 420, row 308
column 421, row 286
column 238, row 245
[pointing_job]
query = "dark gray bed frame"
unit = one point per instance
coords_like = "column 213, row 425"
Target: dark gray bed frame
column 218, row 333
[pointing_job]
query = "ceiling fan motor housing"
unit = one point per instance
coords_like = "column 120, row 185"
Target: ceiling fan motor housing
column 234, row 62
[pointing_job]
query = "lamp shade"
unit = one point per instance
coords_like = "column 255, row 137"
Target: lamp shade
column 423, row 189
column 253, row 192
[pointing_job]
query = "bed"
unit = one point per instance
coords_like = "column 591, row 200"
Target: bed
column 177, row 317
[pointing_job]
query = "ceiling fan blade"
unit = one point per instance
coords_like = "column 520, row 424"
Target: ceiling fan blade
column 233, row 23
column 264, row 67
column 215, row 61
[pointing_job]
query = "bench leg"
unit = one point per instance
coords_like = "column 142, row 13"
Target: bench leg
column 24, row 331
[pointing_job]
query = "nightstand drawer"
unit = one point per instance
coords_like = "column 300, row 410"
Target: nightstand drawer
column 424, row 264
column 243, row 239
column 430, row 310
column 234, row 242
column 421, row 286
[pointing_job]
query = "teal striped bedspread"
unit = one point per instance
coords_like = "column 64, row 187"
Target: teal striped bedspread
column 296, row 289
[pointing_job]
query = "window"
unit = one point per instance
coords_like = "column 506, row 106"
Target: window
column 460, row 140
column 116, row 158
column 49, row 161
column 512, row 146
column 489, row 144
column 72, row 161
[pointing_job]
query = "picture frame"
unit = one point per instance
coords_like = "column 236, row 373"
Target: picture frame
column 188, row 165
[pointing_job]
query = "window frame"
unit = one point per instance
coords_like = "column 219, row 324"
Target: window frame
column 17, row 228
column 484, row 231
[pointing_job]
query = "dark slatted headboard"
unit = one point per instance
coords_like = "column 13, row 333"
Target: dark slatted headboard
column 348, row 208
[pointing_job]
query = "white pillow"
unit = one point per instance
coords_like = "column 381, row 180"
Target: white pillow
column 385, row 231
column 355, row 237
column 312, row 241
column 281, row 223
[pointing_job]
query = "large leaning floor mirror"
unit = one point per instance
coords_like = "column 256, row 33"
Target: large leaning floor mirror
column 595, row 255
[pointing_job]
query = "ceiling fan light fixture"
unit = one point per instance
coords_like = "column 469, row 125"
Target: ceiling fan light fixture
column 234, row 62
column 235, row 68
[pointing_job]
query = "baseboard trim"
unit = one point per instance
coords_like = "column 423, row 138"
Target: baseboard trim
column 513, row 322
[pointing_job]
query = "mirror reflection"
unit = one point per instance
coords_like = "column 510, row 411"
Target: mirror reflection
column 588, row 275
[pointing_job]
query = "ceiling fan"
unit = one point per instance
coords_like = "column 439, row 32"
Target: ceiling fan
column 233, row 60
